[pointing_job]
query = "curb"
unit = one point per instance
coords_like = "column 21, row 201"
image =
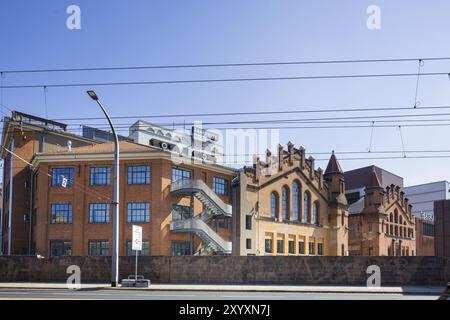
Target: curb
column 379, row 290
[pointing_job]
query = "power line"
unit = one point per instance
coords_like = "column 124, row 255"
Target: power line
column 59, row 85
column 303, row 120
column 368, row 158
column 248, row 64
column 365, row 109
column 127, row 125
column 126, row 128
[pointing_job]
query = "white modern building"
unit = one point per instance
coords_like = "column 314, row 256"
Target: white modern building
column 422, row 197
column 198, row 143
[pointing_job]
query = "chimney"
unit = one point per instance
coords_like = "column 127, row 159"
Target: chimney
column 291, row 152
column 280, row 157
column 301, row 152
column 311, row 169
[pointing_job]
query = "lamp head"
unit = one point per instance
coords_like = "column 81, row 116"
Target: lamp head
column 92, row 94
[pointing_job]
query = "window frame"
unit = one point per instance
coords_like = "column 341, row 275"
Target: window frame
column 222, row 183
column 101, row 248
column 145, row 175
column 144, row 252
column 180, row 243
column 67, row 217
column 63, row 247
column 105, row 177
column 266, row 242
column 56, row 180
column 93, row 211
column 183, row 171
column 147, row 212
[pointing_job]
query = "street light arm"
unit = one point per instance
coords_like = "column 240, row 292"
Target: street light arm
column 110, row 123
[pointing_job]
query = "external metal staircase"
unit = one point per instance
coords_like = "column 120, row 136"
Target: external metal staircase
column 214, row 207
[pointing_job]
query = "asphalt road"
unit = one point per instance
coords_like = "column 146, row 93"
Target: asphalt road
column 197, row 295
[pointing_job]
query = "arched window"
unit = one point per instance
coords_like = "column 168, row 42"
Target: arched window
column 274, row 204
column 396, row 216
column 295, row 198
column 306, row 207
column 316, row 213
column 284, row 202
column 391, row 219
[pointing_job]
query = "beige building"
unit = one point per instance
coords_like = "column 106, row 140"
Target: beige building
column 285, row 206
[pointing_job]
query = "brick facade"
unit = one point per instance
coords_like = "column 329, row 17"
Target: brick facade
column 382, row 223
column 81, row 194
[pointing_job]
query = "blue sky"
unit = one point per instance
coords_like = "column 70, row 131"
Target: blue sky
column 33, row 35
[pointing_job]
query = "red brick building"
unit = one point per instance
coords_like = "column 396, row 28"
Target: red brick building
column 172, row 202
column 424, row 237
column 442, row 228
column 381, row 223
column 25, row 135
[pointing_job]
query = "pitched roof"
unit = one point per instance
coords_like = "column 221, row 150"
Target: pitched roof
column 356, row 207
column 374, row 182
column 333, row 165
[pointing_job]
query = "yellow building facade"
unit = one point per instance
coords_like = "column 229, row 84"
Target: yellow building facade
column 288, row 207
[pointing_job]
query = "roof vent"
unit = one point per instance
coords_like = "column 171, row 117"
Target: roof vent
column 69, row 146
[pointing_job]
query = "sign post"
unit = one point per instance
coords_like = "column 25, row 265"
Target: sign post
column 136, row 245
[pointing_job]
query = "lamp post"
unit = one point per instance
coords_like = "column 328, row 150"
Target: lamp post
column 115, row 233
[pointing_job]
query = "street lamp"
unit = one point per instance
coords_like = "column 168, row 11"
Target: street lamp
column 115, row 233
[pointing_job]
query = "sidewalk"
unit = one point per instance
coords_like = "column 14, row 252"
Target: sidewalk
column 236, row 288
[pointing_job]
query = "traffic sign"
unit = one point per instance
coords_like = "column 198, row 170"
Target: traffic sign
column 137, row 238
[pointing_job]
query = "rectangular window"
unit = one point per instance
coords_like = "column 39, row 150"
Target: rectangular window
column 248, row 222
column 144, row 252
column 301, row 247
column 60, row 248
column 370, row 251
column 221, row 223
column 220, row 186
column 61, row 213
column 180, row 212
column 248, row 243
column 180, row 174
column 280, row 246
column 268, row 245
column 311, row 248
column 291, row 246
column 100, row 176
column 427, row 229
column 99, row 213
column 138, row 212
column 139, row 174
column 62, row 177
column 98, row 248
column 181, row 248
column 320, row 249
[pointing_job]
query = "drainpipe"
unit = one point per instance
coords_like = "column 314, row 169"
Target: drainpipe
column 11, row 164
column 30, row 217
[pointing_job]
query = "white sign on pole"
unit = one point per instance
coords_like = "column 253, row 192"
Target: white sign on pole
column 137, row 238
column 64, row 182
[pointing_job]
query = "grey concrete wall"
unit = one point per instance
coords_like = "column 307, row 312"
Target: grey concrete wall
column 395, row 271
